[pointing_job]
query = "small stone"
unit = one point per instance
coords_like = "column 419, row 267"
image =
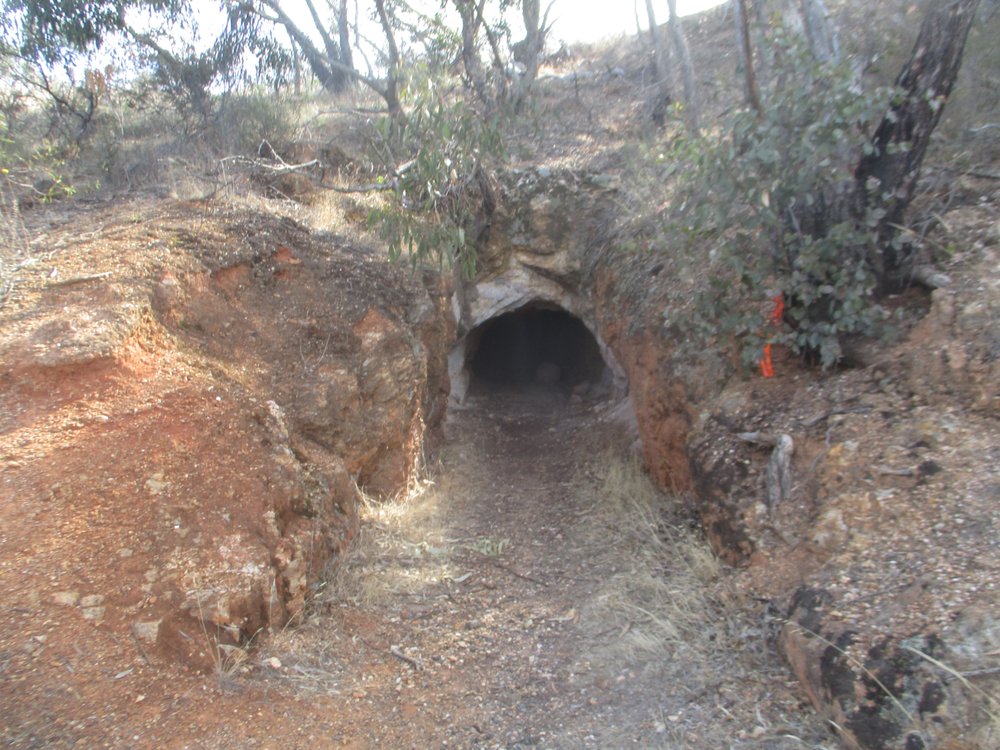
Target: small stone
column 66, row 598
column 125, row 553
column 94, row 600
column 274, row 662
column 94, row 614
column 155, row 484
column 147, row 631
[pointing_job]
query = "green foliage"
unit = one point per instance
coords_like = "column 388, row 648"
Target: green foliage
column 53, row 31
column 436, row 160
column 773, row 195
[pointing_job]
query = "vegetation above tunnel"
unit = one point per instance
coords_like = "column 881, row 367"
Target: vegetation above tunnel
column 799, row 190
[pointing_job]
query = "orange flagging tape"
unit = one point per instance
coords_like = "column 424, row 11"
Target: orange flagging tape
column 779, row 309
column 766, row 369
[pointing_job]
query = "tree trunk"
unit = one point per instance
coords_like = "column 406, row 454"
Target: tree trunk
column 901, row 140
column 820, row 33
column 746, row 55
column 683, row 56
column 339, row 77
column 344, row 28
column 660, row 71
column 390, row 92
column 297, row 63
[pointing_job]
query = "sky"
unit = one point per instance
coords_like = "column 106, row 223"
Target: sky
column 571, row 20
column 591, row 20
column 574, row 20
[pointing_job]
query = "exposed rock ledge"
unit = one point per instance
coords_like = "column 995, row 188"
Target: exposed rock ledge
column 214, row 400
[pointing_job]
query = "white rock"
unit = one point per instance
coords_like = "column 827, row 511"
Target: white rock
column 147, row 631
column 95, row 614
column 66, row 598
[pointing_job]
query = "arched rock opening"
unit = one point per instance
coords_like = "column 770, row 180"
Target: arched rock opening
column 536, row 345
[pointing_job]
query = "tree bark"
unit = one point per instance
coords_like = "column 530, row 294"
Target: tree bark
column 900, row 142
column 746, row 55
column 391, row 90
column 660, row 71
column 344, row 29
column 683, row 56
column 659, row 56
column 528, row 51
column 471, row 15
column 820, row 33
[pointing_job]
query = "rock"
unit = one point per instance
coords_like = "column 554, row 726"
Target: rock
column 155, row 484
column 848, row 686
column 94, row 600
column 66, row 598
column 147, row 631
column 96, row 614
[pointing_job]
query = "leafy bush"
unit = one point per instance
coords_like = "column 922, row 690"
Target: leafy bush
column 437, row 162
column 773, row 194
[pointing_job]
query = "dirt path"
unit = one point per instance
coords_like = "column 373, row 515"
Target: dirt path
column 507, row 608
column 539, row 594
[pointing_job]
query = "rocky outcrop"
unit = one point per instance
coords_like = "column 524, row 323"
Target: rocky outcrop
column 874, row 554
column 535, row 249
column 232, row 393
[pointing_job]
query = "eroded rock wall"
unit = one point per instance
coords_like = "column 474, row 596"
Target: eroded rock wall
column 200, row 416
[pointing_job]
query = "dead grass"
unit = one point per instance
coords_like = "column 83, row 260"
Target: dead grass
column 666, row 612
column 659, row 601
column 401, row 548
column 14, row 244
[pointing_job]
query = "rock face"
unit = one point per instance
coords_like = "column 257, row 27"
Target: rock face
column 533, row 250
column 880, row 554
column 214, row 411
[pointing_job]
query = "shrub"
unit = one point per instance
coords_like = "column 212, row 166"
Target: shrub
column 437, row 162
column 772, row 193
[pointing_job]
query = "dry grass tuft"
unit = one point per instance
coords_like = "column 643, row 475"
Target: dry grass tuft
column 659, row 600
column 14, row 246
column 400, row 550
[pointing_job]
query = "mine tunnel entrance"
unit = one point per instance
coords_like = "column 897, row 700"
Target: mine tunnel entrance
column 539, row 346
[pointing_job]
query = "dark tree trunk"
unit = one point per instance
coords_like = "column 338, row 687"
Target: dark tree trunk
column 471, row 15
column 901, row 139
column 344, row 27
column 746, row 55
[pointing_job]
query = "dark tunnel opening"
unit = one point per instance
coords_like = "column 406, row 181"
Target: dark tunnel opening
column 537, row 346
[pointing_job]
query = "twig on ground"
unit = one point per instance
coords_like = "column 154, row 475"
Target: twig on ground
column 812, row 422
column 81, row 279
column 398, row 653
column 889, row 471
column 510, row 571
